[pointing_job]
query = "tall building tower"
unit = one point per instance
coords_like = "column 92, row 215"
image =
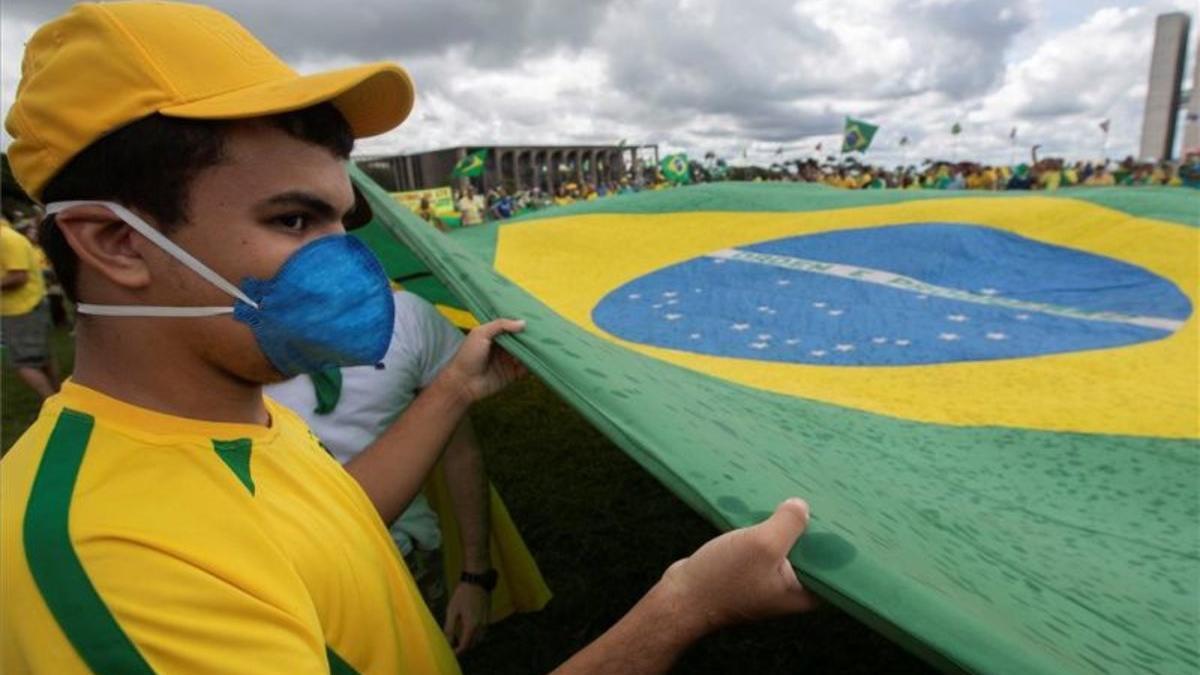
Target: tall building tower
column 1191, row 128
column 1166, row 76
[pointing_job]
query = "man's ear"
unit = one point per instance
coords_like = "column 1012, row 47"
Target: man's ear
column 105, row 244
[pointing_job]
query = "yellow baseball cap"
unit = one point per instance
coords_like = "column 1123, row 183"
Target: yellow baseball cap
column 101, row 66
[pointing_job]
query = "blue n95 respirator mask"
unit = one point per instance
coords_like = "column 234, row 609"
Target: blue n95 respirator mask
column 328, row 306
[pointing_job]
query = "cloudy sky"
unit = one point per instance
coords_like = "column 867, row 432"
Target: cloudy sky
column 726, row 76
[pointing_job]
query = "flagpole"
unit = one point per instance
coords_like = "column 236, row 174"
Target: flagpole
column 1104, row 149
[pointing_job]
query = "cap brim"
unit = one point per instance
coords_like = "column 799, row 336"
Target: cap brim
column 373, row 98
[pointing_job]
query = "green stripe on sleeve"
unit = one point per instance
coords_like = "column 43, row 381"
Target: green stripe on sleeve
column 236, row 455
column 77, row 607
column 338, row 665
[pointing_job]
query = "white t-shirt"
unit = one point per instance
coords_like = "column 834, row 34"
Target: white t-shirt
column 471, row 209
column 372, row 398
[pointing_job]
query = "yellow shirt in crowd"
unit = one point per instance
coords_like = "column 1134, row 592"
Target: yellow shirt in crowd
column 18, row 253
column 138, row 542
column 1050, row 180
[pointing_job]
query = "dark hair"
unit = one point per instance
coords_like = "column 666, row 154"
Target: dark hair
column 149, row 164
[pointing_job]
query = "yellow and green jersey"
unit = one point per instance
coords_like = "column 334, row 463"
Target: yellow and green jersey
column 138, row 542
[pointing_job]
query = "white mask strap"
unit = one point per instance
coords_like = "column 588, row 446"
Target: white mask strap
column 171, row 249
column 149, row 310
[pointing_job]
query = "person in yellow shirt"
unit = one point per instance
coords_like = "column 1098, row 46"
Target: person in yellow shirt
column 1101, row 177
column 25, row 313
column 161, row 514
column 1049, row 178
column 562, row 198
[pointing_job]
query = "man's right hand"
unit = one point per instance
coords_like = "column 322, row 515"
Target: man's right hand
column 744, row 575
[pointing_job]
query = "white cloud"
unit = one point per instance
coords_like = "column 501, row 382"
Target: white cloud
column 725, row 75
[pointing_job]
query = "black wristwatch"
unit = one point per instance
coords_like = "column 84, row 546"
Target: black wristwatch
column 485, row 580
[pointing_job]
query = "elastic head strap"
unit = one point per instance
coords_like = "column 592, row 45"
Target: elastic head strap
column 149, row 310
column 171, row 248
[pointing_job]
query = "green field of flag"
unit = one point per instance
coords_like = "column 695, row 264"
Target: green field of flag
column 990, row 401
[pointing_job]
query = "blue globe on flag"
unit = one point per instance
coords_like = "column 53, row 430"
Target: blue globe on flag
column 895, row 295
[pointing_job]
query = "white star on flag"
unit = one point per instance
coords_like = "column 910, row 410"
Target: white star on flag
column 836, row 312
column 997, row 336
column 792, row 341
column 1022, row 317
column 657, row 305
column 903, row 343
column 818, row 352
column 672, row 302
column 694, row 336
column 763, row 308
column 818, row 305
column 635, row 296
column 844, row 348
column 718, row 261
column 957, row 318
column 783, row 282
column 740, row 326
column 670, row 294
column 989, row 291
column 879, row 340
column 759, row 345
column 673, row 317
column 922, row 297
column 764, row 336
column 948, row 337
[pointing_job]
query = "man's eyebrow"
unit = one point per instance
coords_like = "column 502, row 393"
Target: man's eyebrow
column 308, row 200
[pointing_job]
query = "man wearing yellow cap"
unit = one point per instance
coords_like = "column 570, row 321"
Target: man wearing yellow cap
column 161, row 514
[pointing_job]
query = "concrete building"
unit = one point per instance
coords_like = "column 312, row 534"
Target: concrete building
column 514, row 167
column 1191, row 127
column 1166, row 76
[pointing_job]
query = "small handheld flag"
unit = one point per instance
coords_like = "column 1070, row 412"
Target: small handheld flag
column 675, row 168
column 857, row 135
column 469, row 166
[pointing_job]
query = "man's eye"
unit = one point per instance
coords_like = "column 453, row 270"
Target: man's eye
column 293, row 221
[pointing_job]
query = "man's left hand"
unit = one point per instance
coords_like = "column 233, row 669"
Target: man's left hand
column 482, row 368
column 466, row 616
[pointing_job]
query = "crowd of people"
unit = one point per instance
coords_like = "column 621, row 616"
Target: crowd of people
column 1045, row 174
column 505, row 201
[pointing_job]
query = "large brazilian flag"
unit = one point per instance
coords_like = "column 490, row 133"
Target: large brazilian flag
column 990, row 400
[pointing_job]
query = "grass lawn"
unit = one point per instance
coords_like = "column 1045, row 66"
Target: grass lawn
column 602, row 530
